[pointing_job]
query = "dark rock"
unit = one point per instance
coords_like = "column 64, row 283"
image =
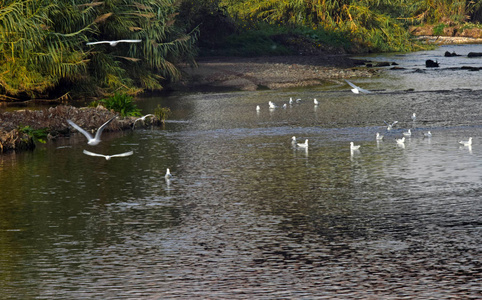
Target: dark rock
column 431, row 64
column 474, row 54
column 448, row 54
column 470, row 68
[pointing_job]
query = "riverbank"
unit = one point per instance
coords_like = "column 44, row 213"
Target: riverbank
column 274, row 72
column 19, row 130
column 211, row 74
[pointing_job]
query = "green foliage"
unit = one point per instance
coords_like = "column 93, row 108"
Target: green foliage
column 439, row 29
column 123, row 104
column 369, row 25
column 162, row 113
column 43, row 43
column 38, row 135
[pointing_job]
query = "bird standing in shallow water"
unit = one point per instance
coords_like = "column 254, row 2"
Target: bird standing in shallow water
column 354, row 147
column 168, row 174
column 466, row 143
column 379, row 137
column 303, row 145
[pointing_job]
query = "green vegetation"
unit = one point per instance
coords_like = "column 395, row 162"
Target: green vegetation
column 123, row 104
column 162, row 113
column 43, row 51
column 38, row 135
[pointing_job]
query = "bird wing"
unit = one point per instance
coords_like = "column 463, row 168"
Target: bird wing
column 101, row 128
column 129, row 41
column 99, row 42
column 93, row 154
column 393, row 124
column 357, row 87
column 123, row 154
column 87, row 135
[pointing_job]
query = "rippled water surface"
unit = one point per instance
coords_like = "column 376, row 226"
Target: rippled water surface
column 247, row 215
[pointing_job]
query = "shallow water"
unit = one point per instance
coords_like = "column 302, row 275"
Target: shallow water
column 247, row 215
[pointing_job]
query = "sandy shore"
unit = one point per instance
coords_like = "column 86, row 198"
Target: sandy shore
column 241, row 73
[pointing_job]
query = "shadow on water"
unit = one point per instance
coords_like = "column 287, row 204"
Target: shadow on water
column 248, row 214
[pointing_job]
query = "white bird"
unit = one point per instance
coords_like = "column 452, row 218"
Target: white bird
column 407, row 133
column 298, row 101
column 293, row 140
column 390, row 126
column 108, row 157
column 142, row 119
column 356, row 89
column 354, row 147
column 258, row 108
column 285, row 105
column 466, row 143
column 291, row 101
column 428, row 134
column 414, row 117
column 168, row 174
column 91, row 140
column 303, row 145
column 272, row 105
column 379, row 137
column 401, row 141
column 114, row 43
column 316, row 102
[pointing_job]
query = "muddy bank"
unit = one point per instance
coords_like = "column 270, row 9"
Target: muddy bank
column 448, row 35
column 53, row 122
column 276, row 72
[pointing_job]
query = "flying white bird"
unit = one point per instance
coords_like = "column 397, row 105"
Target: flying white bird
column 466, row 143
column 91, row 140
column 401, row 141
column 356, row 89
column 316, row 102
column 390, row 126
column 303, row 145
column 407, row 133
column 379, row 137
column 354, row 147
column 142, row 119
column 108, row 157
column 168, row 174
column 114, row 43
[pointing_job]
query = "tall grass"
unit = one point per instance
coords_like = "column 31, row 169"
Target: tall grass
column 43, row 43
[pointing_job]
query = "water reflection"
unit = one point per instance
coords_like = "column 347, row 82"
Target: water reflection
column 246, row 208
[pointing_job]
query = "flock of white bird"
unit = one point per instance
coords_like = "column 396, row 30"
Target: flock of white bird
column 95, row 140
column 378, row 137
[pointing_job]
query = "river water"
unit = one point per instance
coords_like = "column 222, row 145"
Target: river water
column 247, row 215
